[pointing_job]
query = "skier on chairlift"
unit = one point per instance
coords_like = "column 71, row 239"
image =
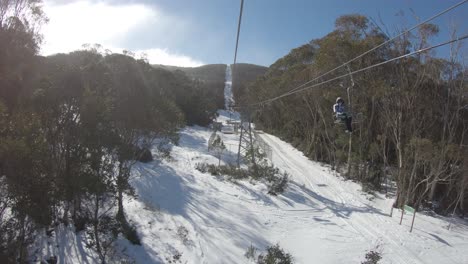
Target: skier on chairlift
column 339, row 109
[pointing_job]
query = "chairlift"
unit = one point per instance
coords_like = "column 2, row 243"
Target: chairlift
column 343, row 117
column 356, row 118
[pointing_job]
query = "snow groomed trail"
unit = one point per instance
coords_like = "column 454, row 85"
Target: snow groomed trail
column 369, row 221
column 228, row 95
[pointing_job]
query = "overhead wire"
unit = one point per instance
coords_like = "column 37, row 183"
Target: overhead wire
column 359, row 56
column 238, row 30
column 360, row 70
column 385, row 43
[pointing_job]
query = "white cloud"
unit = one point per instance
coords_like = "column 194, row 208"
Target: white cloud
column 73, row 24
column 163, row 56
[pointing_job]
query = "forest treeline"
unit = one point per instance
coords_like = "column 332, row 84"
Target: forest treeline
column 410, row 116
column 71, row 128
column 210, row 77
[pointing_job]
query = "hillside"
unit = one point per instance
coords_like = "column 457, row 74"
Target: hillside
column 244, row 74
column 211, row 76
column 209, row 72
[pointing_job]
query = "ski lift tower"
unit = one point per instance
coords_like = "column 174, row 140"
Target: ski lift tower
column 246, row 140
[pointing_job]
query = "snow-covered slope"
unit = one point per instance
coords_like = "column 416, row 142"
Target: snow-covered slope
column 319, row 219
column 228, row 95
column 185, row 216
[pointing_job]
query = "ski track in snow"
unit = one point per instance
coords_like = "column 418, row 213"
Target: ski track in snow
column 342, row 201
column 321, row 218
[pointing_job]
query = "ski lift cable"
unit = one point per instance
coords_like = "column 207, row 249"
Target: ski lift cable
column 369, row 67
column 363, row 54
column 358, row 71
column 384, row 43
column 238, row 30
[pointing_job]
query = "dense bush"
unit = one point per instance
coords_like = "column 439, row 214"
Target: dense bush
column 276, row 181
column 227, row 170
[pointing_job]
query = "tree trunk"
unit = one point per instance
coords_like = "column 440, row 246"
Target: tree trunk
column 21, row 240
column 96, row 230
column 409, row 191
column 120, row 190
column 433, row 188
column 348, row 172
column 464, row 184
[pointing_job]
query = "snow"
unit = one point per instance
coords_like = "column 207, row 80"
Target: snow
column 185, row 216
column 63, row 243
column 228, row 95
column 320, row 218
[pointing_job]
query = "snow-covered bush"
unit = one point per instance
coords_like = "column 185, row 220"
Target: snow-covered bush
column 176, row 258
column 275, row 255
column 228, row 170
column 278, row 184
column 373, row 256
column 182, row 234
column 205, row 167
column 251, row 252
column 164, row 148
column 277, row 181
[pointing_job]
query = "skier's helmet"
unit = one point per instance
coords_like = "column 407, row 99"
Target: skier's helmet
column 339, row 99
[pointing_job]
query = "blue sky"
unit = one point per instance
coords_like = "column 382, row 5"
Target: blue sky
column 194, row 32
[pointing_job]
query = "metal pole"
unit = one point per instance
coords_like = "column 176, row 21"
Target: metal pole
column 402, row 211
column 240, row 144
column 348, row 90
column 414, row 216
column 252, row 149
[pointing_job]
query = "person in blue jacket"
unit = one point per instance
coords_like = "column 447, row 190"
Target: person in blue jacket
column 341, row 114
